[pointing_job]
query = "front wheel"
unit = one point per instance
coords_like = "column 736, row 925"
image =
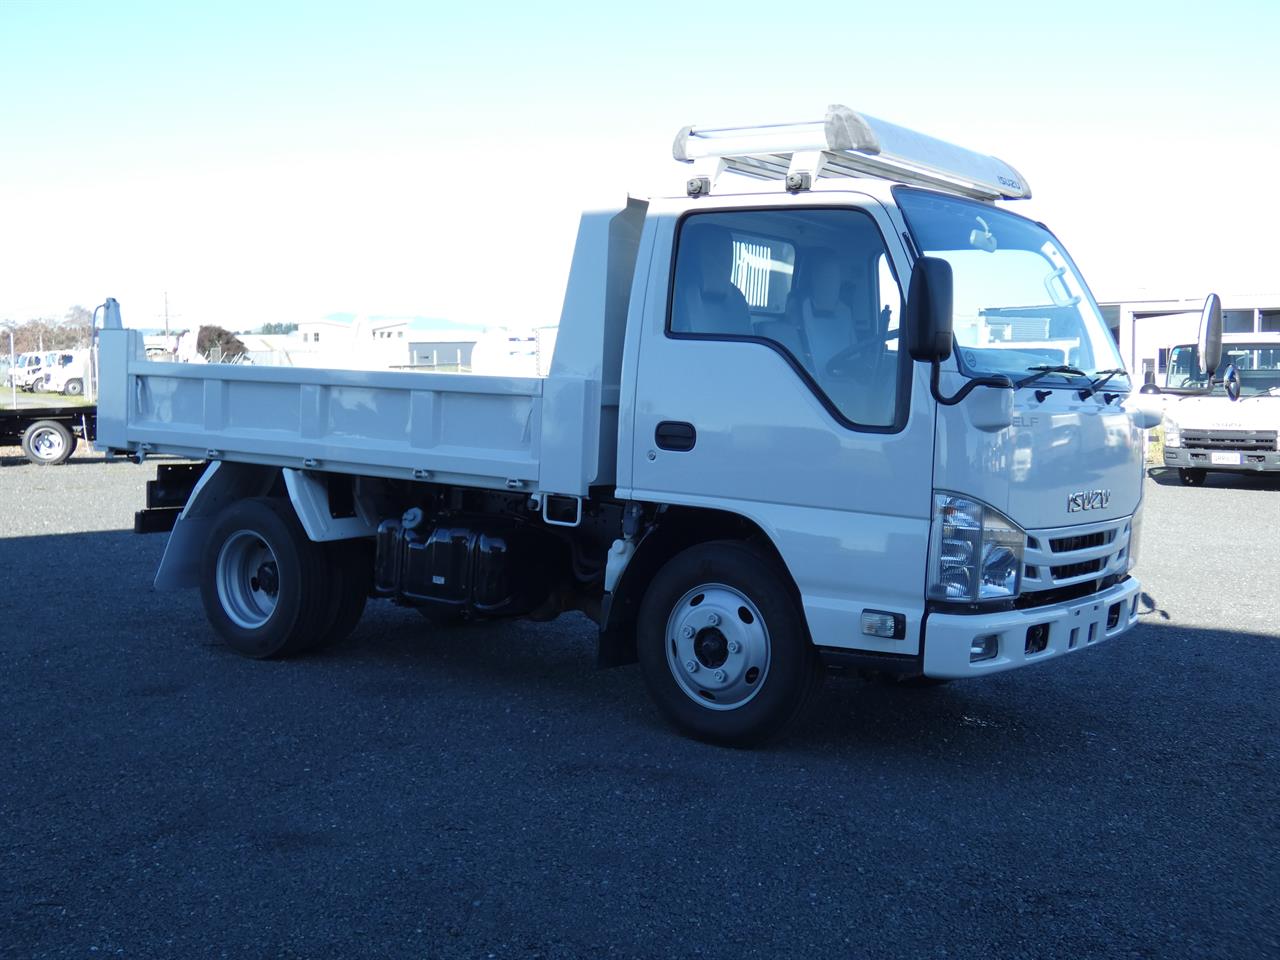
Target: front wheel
column 1192, row 476
column 723, row 645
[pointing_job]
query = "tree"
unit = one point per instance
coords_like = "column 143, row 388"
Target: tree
column 218, row 344
column 75, row 329
column 44, row 333
column 269, row 328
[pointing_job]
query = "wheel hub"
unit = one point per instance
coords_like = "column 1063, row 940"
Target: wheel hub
column 46, row 443
column 267, row 579
column 718, row 647
column 247, row 577
column 710, row 647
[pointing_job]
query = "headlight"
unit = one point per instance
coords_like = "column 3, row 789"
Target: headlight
column 1172, row 438
column 975, row 553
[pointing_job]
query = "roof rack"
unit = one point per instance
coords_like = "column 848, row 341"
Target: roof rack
column 843, row 144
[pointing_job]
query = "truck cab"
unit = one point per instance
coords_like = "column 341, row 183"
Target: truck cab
column 772, row 381
column 67, row 373
column 28, row 371
column 828, row 407
column 1227, row 418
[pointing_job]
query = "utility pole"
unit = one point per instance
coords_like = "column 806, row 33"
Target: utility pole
column 13, row 368
column 166, row 321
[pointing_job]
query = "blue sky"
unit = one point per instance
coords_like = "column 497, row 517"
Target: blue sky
column 275, row 161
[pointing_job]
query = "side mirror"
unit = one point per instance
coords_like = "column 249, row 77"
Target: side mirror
column 1231, row 380
column 1210, row 335
column 928, row 318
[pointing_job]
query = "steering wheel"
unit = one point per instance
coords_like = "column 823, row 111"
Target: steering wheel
column 851, row 362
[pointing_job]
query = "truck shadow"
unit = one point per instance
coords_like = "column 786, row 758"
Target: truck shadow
column 497, row 681
column 14, row 457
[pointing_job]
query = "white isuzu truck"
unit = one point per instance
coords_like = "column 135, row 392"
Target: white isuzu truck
column 829, row 407
column 1230, row 421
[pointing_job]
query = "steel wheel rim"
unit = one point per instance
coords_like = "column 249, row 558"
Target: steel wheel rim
column 47, row 444
column 717, row 647
column 248, row 579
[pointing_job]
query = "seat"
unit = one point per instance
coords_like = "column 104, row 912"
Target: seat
column 707, row 301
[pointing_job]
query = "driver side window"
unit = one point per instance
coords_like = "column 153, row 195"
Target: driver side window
column 814, row 285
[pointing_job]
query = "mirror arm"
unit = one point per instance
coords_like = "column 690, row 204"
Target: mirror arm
column 998, row 382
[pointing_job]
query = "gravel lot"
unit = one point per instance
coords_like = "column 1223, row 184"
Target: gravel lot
column 484, row 792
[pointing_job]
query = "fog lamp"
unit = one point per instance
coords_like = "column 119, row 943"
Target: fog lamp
column 984, row 648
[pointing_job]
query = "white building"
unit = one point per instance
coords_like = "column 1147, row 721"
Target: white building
column 1146, row 330
column 322, row 336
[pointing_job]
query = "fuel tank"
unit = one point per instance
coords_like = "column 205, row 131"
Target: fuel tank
column 1061, row 460
column 479, row 566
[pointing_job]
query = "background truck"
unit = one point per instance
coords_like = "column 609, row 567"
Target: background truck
column 48, row 435
column 67, row 374
column 1227, row 421
column 796, row 419
column 28, row 370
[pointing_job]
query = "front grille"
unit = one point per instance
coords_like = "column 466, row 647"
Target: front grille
column 1229, row 439
column 1075, row 558
column 1081, row 541
column 1075, row 569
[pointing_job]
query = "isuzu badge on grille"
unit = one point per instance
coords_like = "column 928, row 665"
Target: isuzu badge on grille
column 1088, row 500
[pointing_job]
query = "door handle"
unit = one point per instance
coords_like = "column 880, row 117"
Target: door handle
column 675, row 435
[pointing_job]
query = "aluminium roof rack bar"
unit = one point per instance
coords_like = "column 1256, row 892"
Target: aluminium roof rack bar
column 843, row 144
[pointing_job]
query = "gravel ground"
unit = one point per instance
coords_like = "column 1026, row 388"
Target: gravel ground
column 484, row 792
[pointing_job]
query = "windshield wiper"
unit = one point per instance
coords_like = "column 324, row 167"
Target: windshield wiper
column 1043, row 370
column 1096, row 385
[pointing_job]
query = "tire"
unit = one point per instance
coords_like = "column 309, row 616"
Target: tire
column 74, row 388
column 264, row 585
column 1192, row 476
column 723, row 645
column 350, row 565
column 48, row 442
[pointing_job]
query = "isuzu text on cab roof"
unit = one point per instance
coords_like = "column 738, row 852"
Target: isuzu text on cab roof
column 838, row 410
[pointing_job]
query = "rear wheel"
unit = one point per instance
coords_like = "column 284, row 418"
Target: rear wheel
column 1192, row 476
column 264, row 585
column 723, row 645
column 48, row 442
column 73, row 388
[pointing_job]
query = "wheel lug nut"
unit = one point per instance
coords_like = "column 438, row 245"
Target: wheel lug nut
column 734, row 646
column 687, row 632
column 691, row 666
column 719, row 675
column 714, row 619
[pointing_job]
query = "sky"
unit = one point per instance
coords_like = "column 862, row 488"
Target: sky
column 275, row 162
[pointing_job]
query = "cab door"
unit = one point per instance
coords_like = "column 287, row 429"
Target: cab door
column 769, row 382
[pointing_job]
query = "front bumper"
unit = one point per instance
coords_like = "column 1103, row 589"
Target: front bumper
column 1191, row 458
column 1072, row 626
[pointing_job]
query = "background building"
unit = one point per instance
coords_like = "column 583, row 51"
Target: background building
column 1147, row 329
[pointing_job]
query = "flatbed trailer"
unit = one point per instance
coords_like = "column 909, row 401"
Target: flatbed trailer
column 48, row 435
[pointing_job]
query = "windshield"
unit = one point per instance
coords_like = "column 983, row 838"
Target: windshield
column 1019, row 304
column 1257, row 363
